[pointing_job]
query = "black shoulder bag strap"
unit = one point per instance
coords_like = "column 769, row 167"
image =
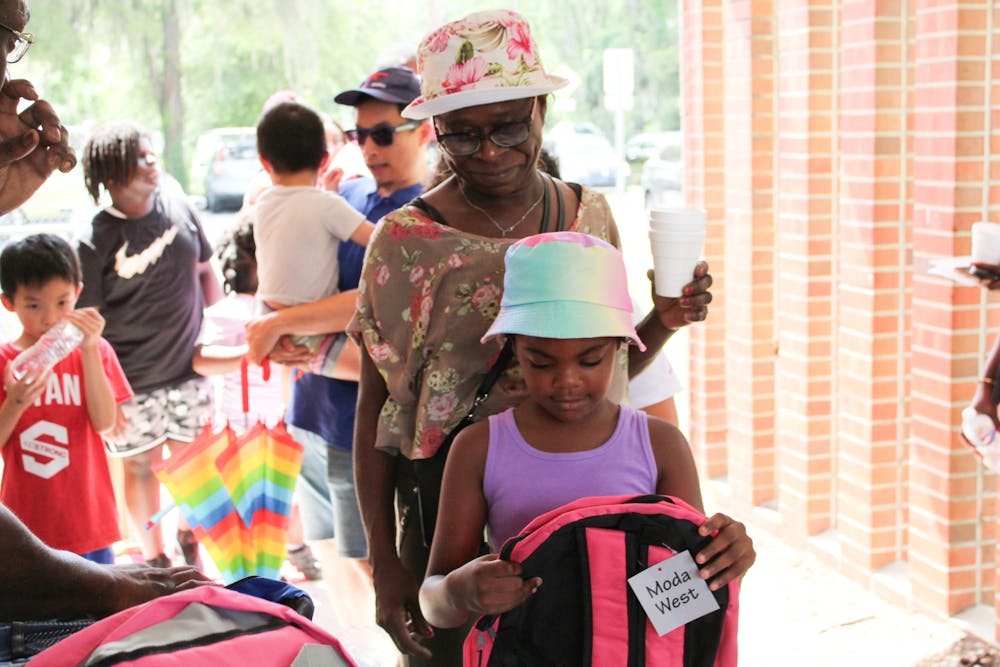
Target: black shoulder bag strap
column 492, row 375
column 431, row 211
column 430, row 471
column 560, row 204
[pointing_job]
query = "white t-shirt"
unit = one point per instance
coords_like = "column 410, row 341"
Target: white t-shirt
column 298, row 230
column 225, row 324
column 657, row 381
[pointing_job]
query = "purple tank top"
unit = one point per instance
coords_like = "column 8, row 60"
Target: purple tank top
column 521, row 482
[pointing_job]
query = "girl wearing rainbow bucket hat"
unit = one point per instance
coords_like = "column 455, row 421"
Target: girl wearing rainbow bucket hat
column 432, row 285
column 566, row 440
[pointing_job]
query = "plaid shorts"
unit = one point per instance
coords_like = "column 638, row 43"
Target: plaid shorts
column 174, row 412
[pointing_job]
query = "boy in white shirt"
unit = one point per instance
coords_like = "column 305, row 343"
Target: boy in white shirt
column 299, row 227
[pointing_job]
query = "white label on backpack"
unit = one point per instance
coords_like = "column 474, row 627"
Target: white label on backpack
column 672, row 593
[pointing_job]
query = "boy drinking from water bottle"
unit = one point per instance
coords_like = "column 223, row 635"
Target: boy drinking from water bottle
column 56, row 477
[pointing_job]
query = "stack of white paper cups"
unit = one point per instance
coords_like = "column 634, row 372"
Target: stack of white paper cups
column 676, row 237
column 986, row 243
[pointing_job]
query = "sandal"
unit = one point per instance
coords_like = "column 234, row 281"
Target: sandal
column 188, row 544
column 304, row 561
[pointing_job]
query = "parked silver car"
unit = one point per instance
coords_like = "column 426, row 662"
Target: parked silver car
column 663, row 178
column 225, row 162
column 589, row 159
column 645, row 145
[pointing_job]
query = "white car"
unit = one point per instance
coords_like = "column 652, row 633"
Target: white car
column 589, row 159
column 663, row 178
column 648, row 144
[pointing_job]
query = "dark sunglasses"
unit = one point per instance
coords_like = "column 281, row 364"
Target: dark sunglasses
column 505, row 135
column 382, row 135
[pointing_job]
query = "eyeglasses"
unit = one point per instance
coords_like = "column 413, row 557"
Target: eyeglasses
column 505, row 135
column 22, row 42
column 382, row 135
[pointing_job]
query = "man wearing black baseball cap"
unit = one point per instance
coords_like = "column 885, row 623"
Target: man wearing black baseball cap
column 394, row 147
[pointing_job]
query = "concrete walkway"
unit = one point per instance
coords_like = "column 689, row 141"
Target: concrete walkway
column 795, row 611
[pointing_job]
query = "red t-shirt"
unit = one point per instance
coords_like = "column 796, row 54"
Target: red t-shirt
column 55, row 476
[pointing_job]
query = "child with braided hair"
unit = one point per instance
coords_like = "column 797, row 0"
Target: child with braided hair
column 146, row 269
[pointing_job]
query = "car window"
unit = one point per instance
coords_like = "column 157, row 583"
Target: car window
column 241, row 151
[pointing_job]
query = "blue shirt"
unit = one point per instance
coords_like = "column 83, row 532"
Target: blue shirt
column 325, row 406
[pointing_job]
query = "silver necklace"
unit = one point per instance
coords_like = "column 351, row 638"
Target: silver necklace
column 500, row 228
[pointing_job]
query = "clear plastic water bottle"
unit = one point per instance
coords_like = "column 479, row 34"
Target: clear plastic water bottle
column 980, row 431
column 47, row 351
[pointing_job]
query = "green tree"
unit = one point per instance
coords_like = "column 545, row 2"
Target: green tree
column 181, row 67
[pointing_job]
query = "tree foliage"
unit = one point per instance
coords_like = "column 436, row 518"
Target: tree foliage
column 180, row 67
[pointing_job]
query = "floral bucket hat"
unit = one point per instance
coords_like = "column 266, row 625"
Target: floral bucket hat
column 483, row 58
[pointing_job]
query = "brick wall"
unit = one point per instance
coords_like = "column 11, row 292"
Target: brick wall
column 805, row 221
column 705, row 187
column 749, row 86
column 856, row 144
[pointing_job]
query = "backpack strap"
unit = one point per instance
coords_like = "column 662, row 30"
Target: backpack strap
column 560, row 213
column 429, row 209
column 546, row 180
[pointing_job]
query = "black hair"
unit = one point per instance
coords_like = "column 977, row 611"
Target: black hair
column 111, row 156
column 35, row 260
column 548, row 163
column 291, row 137
column 237, row 257
column 365, row 97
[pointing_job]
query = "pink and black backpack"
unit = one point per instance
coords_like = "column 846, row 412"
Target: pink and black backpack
column 202, row 627
column 585, row 612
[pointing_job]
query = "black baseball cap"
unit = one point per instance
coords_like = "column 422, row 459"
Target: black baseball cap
column 398, row 85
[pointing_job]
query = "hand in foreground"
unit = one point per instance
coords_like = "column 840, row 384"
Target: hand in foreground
column 22, row 392
column 265, row 341
column 289, row 354
column 676, row 312
column 33, row 144
column 988, row 274
column 730, row 553
column 488, row 585
column 135, row 584
column 397, row 609
column 90, row 322
column 330, row 178
column 262, row 336
column 982, row 401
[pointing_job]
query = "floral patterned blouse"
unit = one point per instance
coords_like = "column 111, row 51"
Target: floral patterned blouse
column 427, row 294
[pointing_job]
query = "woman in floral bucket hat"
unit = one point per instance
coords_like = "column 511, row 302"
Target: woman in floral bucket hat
column 431, row 287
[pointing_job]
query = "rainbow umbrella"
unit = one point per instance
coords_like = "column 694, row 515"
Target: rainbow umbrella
column 194, row 482
column 236, row 493
column 259, row 469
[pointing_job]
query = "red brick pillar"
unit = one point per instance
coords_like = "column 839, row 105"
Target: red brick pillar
column 873, row 278
column 806, row 220
column 749, row 247
column 704, row 187
column 951, row 521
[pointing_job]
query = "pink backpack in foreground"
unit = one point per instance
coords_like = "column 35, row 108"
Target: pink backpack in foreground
column 205, row 626
column 585, row 612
